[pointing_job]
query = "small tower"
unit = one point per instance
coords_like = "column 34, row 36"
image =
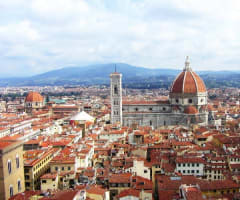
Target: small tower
column 187, row 64
column 116, row 97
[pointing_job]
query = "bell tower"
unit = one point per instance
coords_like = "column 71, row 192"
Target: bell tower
column 116, row 97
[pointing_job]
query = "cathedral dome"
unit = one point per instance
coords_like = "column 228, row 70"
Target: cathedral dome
column 34, row 97
column 188, row 82
column 191, row 110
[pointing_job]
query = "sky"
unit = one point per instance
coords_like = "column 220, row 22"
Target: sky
column 37, row 36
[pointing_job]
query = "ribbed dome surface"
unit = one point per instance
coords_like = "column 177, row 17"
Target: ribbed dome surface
column 34, row 97
column 190, row 110
column 188, row 82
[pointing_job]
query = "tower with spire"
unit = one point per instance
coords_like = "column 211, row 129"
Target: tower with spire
column 116, row 97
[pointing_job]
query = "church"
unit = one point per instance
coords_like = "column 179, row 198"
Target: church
column 186, row 104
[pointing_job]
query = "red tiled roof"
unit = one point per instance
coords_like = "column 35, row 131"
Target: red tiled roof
column 129, row 192
column 120, row 178
column 190, row 110
column 49, row 176
column 188, row 82
column 34, row 97
column 96, row 190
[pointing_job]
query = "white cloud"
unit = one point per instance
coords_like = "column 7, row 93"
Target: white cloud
column 42, row 35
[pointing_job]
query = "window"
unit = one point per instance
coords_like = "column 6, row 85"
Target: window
column 189, row 100
column 19, row 186
column 179, row 164
column 150, row 109
column 183, row 164
column 197, row 171
column 115, row 89
column 27, row 184
column 56, row 168
column 11, row 190
column 17, row 161
column 62, row 168
column 136, row 109
column 145, row 171
column 150, row 123
column 193, row 164
column 177, row 100
column 197, row 165
column 163, row 108
column 9, row 166
column 69, row 168
column 183, row 171
column 188, row 164
column 44, row 181
column 193, row 171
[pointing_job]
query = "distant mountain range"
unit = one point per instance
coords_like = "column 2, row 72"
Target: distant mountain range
column 135, row 77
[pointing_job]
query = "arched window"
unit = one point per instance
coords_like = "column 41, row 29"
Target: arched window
column 17, row 161
column 115, row 89
column 9, row 165
column 19, row 185
column 11, row 190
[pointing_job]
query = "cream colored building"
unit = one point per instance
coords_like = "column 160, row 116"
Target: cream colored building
column 36, row 163
column 11, row 168
column 139, row 169
column 49, row 181
column 97, row 193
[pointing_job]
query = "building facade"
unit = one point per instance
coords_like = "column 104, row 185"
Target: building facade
column 11, row 168
column 33, row 102
column 187, row 103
